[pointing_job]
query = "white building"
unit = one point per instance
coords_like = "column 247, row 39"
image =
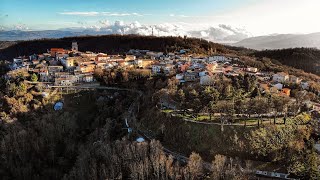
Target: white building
column 198, row 59
column 156, row 68
column 67, row 81
column 252, row 69
column 203, row 73
column 263, row 78
column 207, row 80
column 88, row 78
column 218, row 58
column 279, row 86
column 280, row 77
column 316, row 107
column 185, row 58
column 179, row 76
column 102, row 57
column 18, row 60
column 44, row 75
column 305, row 85
column 294, row 79
column 154, row 54
column 130, row 58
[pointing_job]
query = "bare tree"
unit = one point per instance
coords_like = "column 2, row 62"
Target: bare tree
column 195, row 165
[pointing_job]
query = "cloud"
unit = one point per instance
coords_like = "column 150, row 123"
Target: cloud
column 104, row 22
column 94, row 13
column 180, row 16
column 21, row 27
column 220, row 33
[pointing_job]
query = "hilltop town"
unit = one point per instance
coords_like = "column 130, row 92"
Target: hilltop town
column 178, row 97
column 159, row 90
column 71, row 67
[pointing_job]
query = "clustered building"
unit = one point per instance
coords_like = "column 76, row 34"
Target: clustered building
column 62, row 67
column 70, row 67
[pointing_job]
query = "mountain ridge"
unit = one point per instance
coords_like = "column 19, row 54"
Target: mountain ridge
column 281, row 41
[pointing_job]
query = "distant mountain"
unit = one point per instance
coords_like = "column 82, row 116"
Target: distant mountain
column 281, row 41
column 17, row 35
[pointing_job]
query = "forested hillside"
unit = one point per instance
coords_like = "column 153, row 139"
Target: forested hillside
column 111, row 44
column 86, row 139
column 307, row 59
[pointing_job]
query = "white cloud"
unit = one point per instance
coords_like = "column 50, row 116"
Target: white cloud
column 94, row 13
column 220, row 33
column 20, row 27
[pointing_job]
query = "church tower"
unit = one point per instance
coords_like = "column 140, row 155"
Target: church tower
column 74, row 46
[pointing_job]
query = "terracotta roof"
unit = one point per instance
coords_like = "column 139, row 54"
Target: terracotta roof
column 57, row 49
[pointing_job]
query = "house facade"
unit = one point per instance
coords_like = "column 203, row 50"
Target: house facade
column 280, row 77
column 207, row 80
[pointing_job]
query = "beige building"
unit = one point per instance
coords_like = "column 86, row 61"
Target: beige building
column 67, row 62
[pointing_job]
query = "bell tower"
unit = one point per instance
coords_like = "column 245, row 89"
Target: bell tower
column 74, row 46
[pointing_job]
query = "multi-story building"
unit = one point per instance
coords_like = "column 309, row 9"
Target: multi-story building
column 280, row 77
column 67, row 62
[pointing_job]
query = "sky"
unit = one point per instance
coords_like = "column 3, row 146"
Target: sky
column 253, row 17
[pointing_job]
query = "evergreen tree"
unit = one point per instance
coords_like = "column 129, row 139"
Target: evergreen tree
column 34, row 77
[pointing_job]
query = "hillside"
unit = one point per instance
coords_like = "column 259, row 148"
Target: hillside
column 281, row 41
column 110, row 44
column 307, row 59
column 5, row 44
column 114, row 44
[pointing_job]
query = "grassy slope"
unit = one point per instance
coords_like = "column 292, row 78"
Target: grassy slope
column 186, row 137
